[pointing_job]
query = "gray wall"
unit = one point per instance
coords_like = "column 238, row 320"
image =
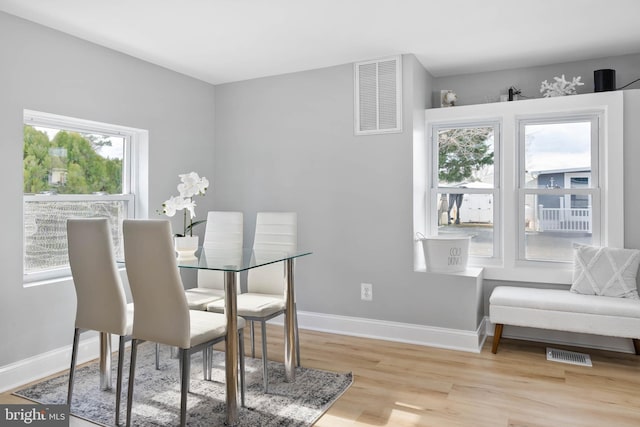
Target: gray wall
column 287, row 143
column 48, row 71
column 353, row 193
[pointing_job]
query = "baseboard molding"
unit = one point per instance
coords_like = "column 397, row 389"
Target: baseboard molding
column 599, row 342
column 431, row 336
column 42, row 365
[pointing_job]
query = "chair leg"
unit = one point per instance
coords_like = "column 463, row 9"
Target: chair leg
column 265, row 373
column 184, row 384
column 241, row 351
column 205, row 363
column 496, row 337
column 296, row 334
column 119, row 379
column 132, row 373
column 253, row 341
column 157, row 357
column 636, row 346
column 72, row 369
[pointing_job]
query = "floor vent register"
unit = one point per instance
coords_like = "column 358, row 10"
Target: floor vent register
column 570, row 357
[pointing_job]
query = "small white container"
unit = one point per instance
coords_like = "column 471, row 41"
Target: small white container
column 446, row 253
column 186, row 247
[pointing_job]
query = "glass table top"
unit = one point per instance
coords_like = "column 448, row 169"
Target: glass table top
column 224, row 259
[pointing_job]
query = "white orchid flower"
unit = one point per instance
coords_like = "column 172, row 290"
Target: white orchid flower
column 202, row 185
column 192, row 184
column 171, row 206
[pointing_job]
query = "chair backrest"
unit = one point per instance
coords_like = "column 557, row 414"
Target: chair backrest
column 275, row 231
column 101, row 301
column 223, row 232
column 161, row 312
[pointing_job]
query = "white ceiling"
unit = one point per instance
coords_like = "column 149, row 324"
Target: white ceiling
column 221, row 41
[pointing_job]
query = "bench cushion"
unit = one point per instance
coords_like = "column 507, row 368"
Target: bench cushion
column 565, row 311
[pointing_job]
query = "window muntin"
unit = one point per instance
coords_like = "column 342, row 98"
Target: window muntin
column 559, row 201
column 72, row 168
column 466, row 183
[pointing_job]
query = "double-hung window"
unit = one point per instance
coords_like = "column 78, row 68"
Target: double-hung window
column 466, row 175
column 528, row 180
column 73, row 168
column 559, row 185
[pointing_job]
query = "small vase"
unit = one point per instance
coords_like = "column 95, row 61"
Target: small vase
column 186, row 247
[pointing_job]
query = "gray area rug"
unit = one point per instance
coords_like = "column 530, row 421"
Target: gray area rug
column 157, row 393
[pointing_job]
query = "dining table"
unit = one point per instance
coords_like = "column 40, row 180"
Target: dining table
column 232, row 262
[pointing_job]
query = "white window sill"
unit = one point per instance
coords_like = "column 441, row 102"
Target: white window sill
column 561, row 274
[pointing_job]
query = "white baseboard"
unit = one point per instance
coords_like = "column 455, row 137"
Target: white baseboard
column 42, row 365
column 454, row 339
column 622, row 345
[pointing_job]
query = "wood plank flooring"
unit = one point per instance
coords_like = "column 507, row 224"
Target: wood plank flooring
column 404, row 385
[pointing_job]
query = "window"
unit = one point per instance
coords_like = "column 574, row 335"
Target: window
column 73, row 168
column 559, row 186
column 466, row 183
column 528, row 179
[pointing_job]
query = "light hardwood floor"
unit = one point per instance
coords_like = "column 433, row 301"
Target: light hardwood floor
column 404, row 385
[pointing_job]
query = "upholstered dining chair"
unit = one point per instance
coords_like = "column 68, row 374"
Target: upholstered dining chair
column 101, row 301
column 265, row 296
column 162, row 314
column 223, row 232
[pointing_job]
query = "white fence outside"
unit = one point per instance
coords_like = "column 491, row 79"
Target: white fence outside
column 564, row 219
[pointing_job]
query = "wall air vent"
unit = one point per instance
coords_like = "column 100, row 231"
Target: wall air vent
column 378, row 96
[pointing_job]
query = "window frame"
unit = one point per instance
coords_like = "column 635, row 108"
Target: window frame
column 435, row 189
column 134, row 182
column 611, row 161
column 595, row 119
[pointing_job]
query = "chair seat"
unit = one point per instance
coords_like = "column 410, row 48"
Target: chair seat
column 252, row 305
column 206, row 326
column 199, row 298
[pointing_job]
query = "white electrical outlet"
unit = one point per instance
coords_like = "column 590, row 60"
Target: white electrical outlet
column 366, row 291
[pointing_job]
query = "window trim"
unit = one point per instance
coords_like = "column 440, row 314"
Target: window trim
column 135, row 184
column 611, row 159
column 432, row 223
column 596, row 119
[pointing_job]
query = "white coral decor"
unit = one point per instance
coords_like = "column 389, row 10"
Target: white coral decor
column 560, row 87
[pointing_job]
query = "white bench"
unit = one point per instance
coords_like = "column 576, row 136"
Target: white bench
column 562, row 310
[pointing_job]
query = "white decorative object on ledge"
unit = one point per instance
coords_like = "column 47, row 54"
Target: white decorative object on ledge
column 448, row 98
column 561, row 87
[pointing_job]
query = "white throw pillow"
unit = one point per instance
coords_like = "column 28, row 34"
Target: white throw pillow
column 605, row 271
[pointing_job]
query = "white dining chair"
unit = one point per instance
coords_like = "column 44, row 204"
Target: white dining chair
column 162, row 314
column 101, row 301
column 223, row 234
column 265, row 296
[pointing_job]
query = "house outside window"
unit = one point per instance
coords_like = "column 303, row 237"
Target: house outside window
column 72, row 169
column 553, row 159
